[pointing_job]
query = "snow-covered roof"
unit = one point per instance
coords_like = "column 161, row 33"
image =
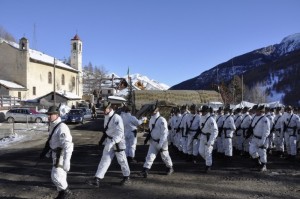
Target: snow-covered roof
column 66, row 94
column 11, row 85
column 37, row 55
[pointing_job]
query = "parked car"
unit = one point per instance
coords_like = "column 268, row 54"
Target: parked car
column 78, row 116
column 87, row 113
column 25, row 115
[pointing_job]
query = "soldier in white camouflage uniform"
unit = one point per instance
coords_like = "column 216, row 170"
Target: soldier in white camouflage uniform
column 245, row 124
column 114, row 145
column 158, row 138
column 191, row 127
column 290, row 126
column 209, row 133
column 61, row 148
column 279, row 136
column 227, row 134
column 259, row 142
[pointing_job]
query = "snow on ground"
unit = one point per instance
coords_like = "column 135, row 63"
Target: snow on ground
column 22, row 132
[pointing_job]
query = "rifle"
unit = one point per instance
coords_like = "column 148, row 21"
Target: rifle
column 285, row 126
column 104, row 136
column 149, row 132
column 251, row 128
column 147, row 137
column 199, row 130
column 134, row 133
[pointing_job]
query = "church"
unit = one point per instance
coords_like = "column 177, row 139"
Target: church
column 28, row 74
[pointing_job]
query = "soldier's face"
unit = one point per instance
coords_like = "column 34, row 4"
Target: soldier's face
column 106, row 111
column 52, row 117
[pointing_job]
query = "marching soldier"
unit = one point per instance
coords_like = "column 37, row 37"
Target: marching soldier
column 290, row 125
column 183, row 139
column 114, row 139
column 130, row 130
column 219, row 121
column 279, row 136
column 60, row 146
column 228, row 129
column 259, row 142
column 245, row 124
column 191, row 127
column 174, row 125
column 158, row 138
column 208, row 133
column 180, row 128
column 238, row 140
column 270, row 115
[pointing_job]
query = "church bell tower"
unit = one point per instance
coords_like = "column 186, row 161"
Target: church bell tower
column 76, row 53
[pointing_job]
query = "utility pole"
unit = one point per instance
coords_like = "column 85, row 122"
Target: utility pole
column 54, row 89
column 242, row 86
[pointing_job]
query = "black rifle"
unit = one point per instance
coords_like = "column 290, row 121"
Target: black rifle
column 149, row 132
column 273, row 126
column 251, row 128
column 199, row 130
column 285, row 126
column 104, row 136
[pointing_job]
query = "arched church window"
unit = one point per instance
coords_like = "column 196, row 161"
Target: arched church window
column 49, row 77
column 73, row 81
column 63, row 79
column 74, row 46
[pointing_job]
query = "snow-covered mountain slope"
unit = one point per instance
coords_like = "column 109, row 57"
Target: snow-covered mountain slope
column 276, row 68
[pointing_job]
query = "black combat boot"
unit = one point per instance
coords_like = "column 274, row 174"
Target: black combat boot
column 94, row 182
column 263, row 167
column 170, row 171
column 66, row 194
column 144, row 172
column 131, row 160
column 60, row 193
column 257, row 163
column 126, row 181
column 207, row 169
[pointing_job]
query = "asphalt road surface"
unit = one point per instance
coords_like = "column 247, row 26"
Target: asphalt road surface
column 20, row 177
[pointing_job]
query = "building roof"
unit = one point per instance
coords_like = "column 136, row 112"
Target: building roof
column 11, row 85
column 64, row 94
column 76, row 37
column 37, row 55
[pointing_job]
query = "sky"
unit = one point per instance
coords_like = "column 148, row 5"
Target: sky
column 169, row 41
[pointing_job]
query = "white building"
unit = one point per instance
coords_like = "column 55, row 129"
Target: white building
column 34, row 74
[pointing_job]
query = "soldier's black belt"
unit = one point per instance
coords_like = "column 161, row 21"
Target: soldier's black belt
column 258, row 137
column 155, row 140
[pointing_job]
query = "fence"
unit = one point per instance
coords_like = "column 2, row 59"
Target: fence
column 6, row 102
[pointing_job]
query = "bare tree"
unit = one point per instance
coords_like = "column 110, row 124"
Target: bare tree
column 257, row 94
column 92, row 78
column 6, row 35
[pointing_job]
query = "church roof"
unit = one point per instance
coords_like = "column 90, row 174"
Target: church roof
column 76, row 37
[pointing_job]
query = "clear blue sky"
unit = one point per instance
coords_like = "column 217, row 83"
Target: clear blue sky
column 167, row 40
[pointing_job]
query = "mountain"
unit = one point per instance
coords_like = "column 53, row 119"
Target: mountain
column 141, row 82
column 276, row 68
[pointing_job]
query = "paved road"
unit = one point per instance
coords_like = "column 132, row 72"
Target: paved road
column 19, row 178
